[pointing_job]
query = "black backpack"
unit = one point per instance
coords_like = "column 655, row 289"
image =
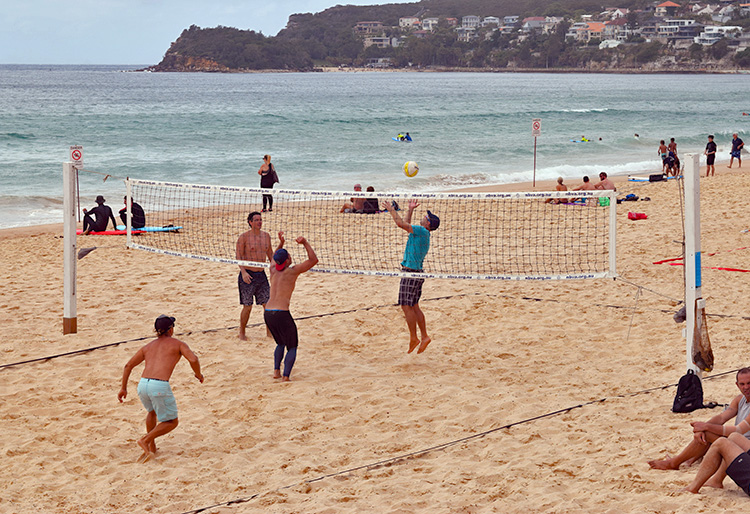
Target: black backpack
column 689, row 393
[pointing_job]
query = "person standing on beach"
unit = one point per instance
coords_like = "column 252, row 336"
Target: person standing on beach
column 710, row 154
column 253, row 245
column 736, row 152
column 276, row 314
column 663, row 152
column 161, row 356
column 705, row 434
column 102, row 213
column 410, row 289
column 268, row 178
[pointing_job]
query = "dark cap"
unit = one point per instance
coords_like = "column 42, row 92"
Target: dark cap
column 100, row 199
column 163, row 324
column 280, row 258
column 434, row 221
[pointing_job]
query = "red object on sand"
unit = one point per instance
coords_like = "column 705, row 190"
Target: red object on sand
column 637, row 216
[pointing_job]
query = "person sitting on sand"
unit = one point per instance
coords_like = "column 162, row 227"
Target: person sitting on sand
column 586, row 186
column 276, row 315
column 706, row 433
column 102, row 213
column 726, row 456
column 410, row 289
column 371, row 204
column 139, row 217
column 161, row 356
column 356, row 203
column 559, row 187
column 604, row 183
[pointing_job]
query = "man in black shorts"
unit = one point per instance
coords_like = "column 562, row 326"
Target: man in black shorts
column 276, row 315
column 254, row 245
column 730, row 452
column 710, row 154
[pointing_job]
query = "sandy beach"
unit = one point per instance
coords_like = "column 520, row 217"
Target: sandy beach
column 532, row 397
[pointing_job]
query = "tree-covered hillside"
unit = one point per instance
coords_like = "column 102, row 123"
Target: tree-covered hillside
column 329, row 38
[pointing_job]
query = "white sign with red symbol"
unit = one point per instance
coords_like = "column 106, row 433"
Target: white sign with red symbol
column 76, row 155
column 536, row 127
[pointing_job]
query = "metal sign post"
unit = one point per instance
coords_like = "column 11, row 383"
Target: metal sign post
column 536, row 130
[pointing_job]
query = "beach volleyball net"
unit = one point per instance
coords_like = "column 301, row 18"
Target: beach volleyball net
column 502, row 236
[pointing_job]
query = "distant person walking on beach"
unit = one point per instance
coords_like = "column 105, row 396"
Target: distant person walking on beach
column 410, row 289
column 710, row 154
column 253, row 245
column 736, row 152
column 102, row 213
column 663, row 152
column 139, row 217
column 277, row 316
column 268, row 178
column 161, row 356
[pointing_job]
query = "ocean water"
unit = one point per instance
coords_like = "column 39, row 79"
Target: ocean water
column 330, row 130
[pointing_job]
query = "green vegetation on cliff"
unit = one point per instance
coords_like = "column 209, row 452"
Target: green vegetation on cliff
column 328, row 38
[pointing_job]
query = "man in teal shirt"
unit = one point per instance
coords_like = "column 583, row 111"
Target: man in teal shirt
column 410, row 289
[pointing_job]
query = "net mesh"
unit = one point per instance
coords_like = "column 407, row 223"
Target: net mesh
column 481, row 235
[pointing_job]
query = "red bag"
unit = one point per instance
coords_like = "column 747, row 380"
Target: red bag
column 637, row 216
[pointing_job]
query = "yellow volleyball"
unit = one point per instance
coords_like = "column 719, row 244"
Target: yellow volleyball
column 411, row 169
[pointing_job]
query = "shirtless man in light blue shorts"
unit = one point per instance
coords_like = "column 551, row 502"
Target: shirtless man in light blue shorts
column 161, row 356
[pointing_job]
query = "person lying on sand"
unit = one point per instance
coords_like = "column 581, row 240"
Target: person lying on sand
column 161, row 356
column 705, row 434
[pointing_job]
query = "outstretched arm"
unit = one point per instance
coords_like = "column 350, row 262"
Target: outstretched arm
column 192, row 359
column 401, row 223
column 312, row 259
column 132, row 363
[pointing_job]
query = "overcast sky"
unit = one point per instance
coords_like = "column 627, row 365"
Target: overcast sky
column 131, row 31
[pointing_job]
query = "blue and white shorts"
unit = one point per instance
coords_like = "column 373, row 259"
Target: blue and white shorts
column 156, row 395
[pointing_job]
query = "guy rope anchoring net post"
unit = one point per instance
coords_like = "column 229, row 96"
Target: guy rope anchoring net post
column 70, row 321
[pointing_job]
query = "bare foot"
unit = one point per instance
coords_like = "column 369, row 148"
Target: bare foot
column 662, row 464
column 413, row 343
column 242, row 336
column 687, row 490
column 285, row 379
column 145, row 457
column 714, row 484
column 147, row 454
column 425, row 341
column 276, row 373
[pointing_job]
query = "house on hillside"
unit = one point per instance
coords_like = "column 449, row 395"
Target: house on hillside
column 551, row 23
column 491, row 20
column 470, row 22
column 593, row 30
column 465, row 34
column 712, row 34
column 408, row 22
column 666, row 9
column 369, row 27
column 452, row 22
column 378, row 41
column 430, row 24
column 511, row 20
column 532, row 23
column 616, row 30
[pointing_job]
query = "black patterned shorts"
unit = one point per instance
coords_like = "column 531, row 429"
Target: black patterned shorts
column 410, row 289
column 258, row 288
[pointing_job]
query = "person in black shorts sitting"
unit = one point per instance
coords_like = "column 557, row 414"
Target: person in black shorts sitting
column 727, row 451
column 102, row 213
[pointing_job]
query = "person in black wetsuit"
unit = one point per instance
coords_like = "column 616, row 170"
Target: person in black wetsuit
column 276, row 315
column 139, row 217
column 102, row 213
column 268, row 178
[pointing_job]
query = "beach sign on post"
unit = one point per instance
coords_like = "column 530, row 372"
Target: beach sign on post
column 536, row 130
column 76, row 155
